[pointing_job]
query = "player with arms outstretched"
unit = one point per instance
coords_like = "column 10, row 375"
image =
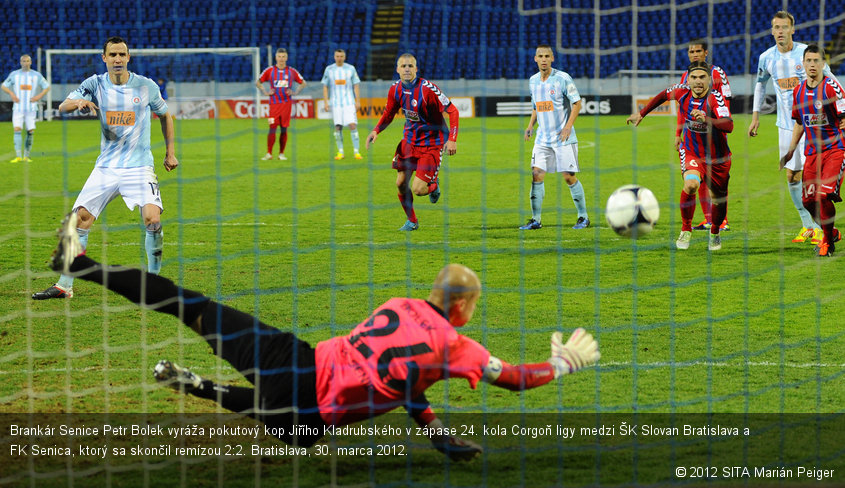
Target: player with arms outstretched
column 704, row 153
column 818, row 109
column 418, row 154
column 386, row 362
column 697, row 51
column 281, row 78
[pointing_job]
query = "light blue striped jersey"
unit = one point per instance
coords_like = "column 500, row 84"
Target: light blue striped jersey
column 786, row 71
column 553, row 99
column 341, row 80
column 25, row 85
column 124, row 117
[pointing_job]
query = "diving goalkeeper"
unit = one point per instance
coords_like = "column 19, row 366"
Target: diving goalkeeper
column 387, row 361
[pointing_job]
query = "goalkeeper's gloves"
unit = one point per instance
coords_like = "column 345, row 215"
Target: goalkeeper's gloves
column 579, row 351
column 456, row 448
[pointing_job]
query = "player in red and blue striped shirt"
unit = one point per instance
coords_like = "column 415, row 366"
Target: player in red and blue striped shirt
column 281, row 78
column 818, row 108
column 704, row 151
column 421, row 148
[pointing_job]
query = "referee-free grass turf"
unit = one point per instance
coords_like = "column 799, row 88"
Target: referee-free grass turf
column 311, row 245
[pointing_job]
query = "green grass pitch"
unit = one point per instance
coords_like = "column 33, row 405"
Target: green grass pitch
column 311, row 245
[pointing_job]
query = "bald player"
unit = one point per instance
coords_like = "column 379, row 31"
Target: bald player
column 385, row 362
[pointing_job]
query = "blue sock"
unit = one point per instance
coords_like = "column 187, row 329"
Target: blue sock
column 154, row 243
column 577, row 192
column 355, row 144
column 338, row 139
column 538, row 191
column 795, row 193
column 65, row 281
column 18, row 141
column 27, row 145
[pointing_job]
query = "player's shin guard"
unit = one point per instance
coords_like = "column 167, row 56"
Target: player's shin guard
column 144, row 289
column 27, row 145
column 271, row 140
column 704, row 200
column 154, row 244
column 807, row 217
column 338, row 139
column 18, row 137
column 407, row 201
column 538, row 192
column 687, row 210
column 283, row 140
column 355, row 141
column 66, row 281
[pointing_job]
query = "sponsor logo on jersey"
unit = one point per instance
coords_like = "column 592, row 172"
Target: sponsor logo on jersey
column 697, row 126
column 26, row 87
column 281, row 83
column 788, row 83
column 411, row 115
column 815, row 120
column 120, row 118
column 339, row 82
column 545, row 106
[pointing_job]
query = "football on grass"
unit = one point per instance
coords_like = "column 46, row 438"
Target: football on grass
column 632, row 210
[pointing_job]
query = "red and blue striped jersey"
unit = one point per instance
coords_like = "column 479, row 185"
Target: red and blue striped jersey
column 280, row 82
column 700, row 140
column 819, row 110
column 423, row 104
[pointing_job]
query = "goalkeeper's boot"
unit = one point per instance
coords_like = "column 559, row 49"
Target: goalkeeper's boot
column 435, row 195
column 267, row 157
column 704, row 225
column 358, row 156
column 805, row 234
column 715, row 242
column 409, row 226
column 581, row 223
column 684, row 240
column 54, row 291
column 68, row 247
column 531, row 225
column 179, row 378
column 338, row 156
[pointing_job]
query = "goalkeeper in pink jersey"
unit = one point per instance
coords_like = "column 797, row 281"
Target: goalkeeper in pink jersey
column 386, row 362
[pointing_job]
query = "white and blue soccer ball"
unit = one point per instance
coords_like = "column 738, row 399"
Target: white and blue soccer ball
column 632, row 210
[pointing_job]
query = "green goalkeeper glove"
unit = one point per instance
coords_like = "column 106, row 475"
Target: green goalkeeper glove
column 579, row 351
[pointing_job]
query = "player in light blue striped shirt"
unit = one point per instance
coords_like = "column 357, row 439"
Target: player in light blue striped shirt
column 341, row 81
column 123, row 102
column 556, row 104
column 21, row 85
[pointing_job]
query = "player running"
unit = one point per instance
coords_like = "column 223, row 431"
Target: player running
column 818, row 109
column 704, row 153
column 418, row 154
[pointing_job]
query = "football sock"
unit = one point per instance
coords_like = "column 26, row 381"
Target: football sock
column 687, row 210
column 153, row 244
column 338, row 139
column 407, row 201
column 720, row 210
column 17, row 139
column 27, row 145
column 577, row 192
column 538, row 191
column 158, row 293
column 65, row 281
column 806, row 217
column 271, row 140
column 704, row 200
column 283, row 140
column 355, row 141
column 827, row 212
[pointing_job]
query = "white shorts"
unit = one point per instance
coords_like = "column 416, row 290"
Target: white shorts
column 137, row 186
column 784, row 140
column 555, row 159
column 345, row 115
column 18, row 119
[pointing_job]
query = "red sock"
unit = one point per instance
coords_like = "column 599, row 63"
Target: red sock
column 720, row 210
column 271, row 139
column 827, row 212
column 283, row 141
column 407, row 201
column 687, row 210
column 432, row 186
column 704, row 199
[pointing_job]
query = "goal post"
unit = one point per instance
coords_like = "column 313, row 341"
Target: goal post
column 253, row 53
